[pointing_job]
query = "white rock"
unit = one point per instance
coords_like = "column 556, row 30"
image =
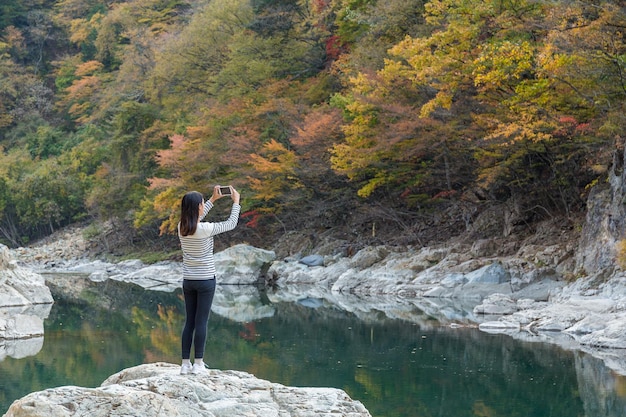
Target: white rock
column 489, row 274
column 159, row 390
column 21, row 290
column 242, row 264
column 499, row 304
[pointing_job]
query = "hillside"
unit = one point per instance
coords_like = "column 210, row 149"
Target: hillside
column 362, row 121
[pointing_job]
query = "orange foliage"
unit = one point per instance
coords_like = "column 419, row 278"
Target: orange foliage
column 170, row 157
column 197, row 132
column 320, row 129
column 88, row 68
column 80, row 97
column 275, row 166
column 83, row 88
column 276, row 159
column 160, row 183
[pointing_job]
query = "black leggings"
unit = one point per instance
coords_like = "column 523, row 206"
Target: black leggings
column 198, row 299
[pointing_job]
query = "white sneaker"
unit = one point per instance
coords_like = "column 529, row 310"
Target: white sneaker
column 185, row 368
column 198, row 368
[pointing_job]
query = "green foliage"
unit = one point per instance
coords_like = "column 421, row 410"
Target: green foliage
column 350, row 20
column 46, row 142
column 187, row 65
column 10, row 12
column 37, row 196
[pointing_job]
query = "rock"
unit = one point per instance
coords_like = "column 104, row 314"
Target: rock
column 162, row 276
column 367, row 257
column 312, row 260
column 25, row 301
column 499, row 304
column 69, row 244
column 607, row 334
column 242, row 264
column 484, row 248
column 20, row 286
column 159, row 390
column 490, row 274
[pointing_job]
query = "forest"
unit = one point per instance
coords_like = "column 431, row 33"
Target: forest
column 396, row 120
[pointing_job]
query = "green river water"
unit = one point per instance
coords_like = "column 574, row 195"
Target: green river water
column 394, row 367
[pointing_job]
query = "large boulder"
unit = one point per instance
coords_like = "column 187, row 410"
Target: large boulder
column 25, row 302
column 242, row 264
column 159, row 390
column 20, row 286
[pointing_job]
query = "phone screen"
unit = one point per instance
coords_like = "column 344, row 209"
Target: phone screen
column 225, row 190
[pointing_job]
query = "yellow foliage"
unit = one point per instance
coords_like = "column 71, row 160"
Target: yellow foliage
column 503, row 63
column 443, row 99
column 79, row 29
column 361, row 84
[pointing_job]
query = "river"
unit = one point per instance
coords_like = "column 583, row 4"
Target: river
column 395, row 367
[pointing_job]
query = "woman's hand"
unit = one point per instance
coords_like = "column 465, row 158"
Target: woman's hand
column 216, row 194
column 234, row 194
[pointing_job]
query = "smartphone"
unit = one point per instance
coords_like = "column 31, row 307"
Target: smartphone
column 224, row 190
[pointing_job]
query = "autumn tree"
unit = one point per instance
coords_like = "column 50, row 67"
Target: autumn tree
column 481, row 101
column 188, row 63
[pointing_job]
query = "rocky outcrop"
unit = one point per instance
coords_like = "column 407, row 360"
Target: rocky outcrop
column 20, row 286
column 426, row 272
column 159, row 390
column 65, row 245
column 25, row 302
column 240, row 264
column 605, row 224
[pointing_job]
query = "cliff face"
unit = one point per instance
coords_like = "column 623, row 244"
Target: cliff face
column 605, row 222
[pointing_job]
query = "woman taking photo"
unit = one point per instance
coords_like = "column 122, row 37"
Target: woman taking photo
column 196, row 241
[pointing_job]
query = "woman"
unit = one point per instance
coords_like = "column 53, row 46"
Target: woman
column 196, row 241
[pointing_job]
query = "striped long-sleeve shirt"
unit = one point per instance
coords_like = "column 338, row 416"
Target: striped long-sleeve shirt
column 198, row 261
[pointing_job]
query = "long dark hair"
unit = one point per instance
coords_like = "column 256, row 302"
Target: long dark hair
column 189, row 212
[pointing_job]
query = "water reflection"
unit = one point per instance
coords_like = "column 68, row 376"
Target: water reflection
column 241, row 303
column 17, row 322
column 396, row 358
